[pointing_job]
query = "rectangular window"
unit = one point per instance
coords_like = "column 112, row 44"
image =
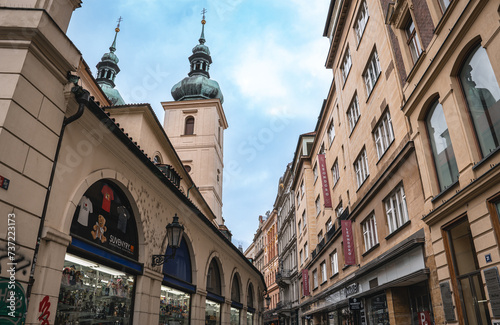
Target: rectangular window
column 302, row 189
column 320, row 236
column 369, row 227
column 304, row 221
column 339, row 209
column 372, row 72
column 334, row 263
column 315, row 279
column 395, row 209
column 335, row 172
column 331, row 132
column 300, row 227
column 298, row 199
column 329, row 225
column 306, row 251
column 361, row 20
column 323, row 272
column 444, row 4
column 412, row 40
column 346, row 65
column 315, row 171
column 361, row 168
column 353, row 112
column 301, row 257
column 383, row 134
column 318, row 205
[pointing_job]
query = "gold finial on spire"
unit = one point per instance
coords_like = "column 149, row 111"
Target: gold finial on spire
column 204, row 11
column 117, row 29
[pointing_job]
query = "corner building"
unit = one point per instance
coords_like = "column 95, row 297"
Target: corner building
column 91, row 188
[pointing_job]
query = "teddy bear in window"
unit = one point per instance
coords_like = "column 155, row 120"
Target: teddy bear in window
column 100, row 229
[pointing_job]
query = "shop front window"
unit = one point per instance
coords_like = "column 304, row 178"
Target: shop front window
column 421, row 308
column 91, row 293
column 333, row 318
column 376, row 310
column 249, row 318
column 235, row 316
column 174, row 306
column 212, row 313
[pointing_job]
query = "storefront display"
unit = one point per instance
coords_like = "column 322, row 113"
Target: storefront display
column 376, row 310
column 249, row 318
column 94, row 294
column 212, row 313
column 174, row 307
column 235, row 316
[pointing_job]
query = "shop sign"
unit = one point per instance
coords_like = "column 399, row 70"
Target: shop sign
column 103, row 216
column 354, row 304
column 449, row 312
column 424, row 318
column 324, row 181
column 347, row 236
column 493, row 285
column 305, row 282
column 352, row 289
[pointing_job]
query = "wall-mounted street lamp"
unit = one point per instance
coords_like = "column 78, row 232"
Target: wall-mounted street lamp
column 268, row 301
column 174, row 237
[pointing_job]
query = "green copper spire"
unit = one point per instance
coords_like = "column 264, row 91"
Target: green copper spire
column 198, row 84
column 107, row 70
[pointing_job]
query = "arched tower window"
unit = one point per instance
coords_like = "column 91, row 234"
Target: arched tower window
column 442, row 149
column 213, row 278
column 235, row 288
column 482, row 94
column 189, row 127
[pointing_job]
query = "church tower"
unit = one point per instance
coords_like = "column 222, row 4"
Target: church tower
column 195, row 124
column 107, row 69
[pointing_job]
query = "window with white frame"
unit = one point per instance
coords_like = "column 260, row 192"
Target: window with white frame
column 300, row 227
column 315, row 171
column 304, row 220
column 353, row 112
column 339, row 209
column 315, row 278
column 335, row 172
column 361, row 168
column 395, row 209
column 329, row 224
column 298, row 199
column 361, row 21
column 334, row 263
column 323, row 272
column 320, row 236
column 346, row 65
column 372, row 72
column 318, row 205
column 306, row 251
column 302, row 189
column 301, row 256
column 369, row 227
column 383, row 134
column 331, row 132
column 412, row 40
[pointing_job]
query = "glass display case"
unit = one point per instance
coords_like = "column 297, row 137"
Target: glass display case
column 212, row 313
column 174, row 307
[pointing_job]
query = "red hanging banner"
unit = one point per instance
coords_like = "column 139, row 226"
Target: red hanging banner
column 349, row 256
column 305, row 282
column 324, row 181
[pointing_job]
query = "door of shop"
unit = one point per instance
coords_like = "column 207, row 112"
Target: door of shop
column 467, row 274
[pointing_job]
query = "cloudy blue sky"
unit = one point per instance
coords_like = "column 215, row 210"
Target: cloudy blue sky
column 268, row 57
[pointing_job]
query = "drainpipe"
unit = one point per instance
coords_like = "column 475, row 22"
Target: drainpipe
column 82, row 97
column 190, row 189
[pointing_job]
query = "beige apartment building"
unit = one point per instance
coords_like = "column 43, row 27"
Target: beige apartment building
column 399, row 188
column 88, row 190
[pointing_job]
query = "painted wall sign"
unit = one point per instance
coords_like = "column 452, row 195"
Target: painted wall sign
column 305, row 282
column 324, row 181
column 347, row 236
column 104, row 217
column 493, row 285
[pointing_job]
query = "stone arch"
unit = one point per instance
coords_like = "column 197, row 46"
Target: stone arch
column 463, row 54
column 192, row 256
column 214, row 256
column 250, row 288
column 235, row 276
